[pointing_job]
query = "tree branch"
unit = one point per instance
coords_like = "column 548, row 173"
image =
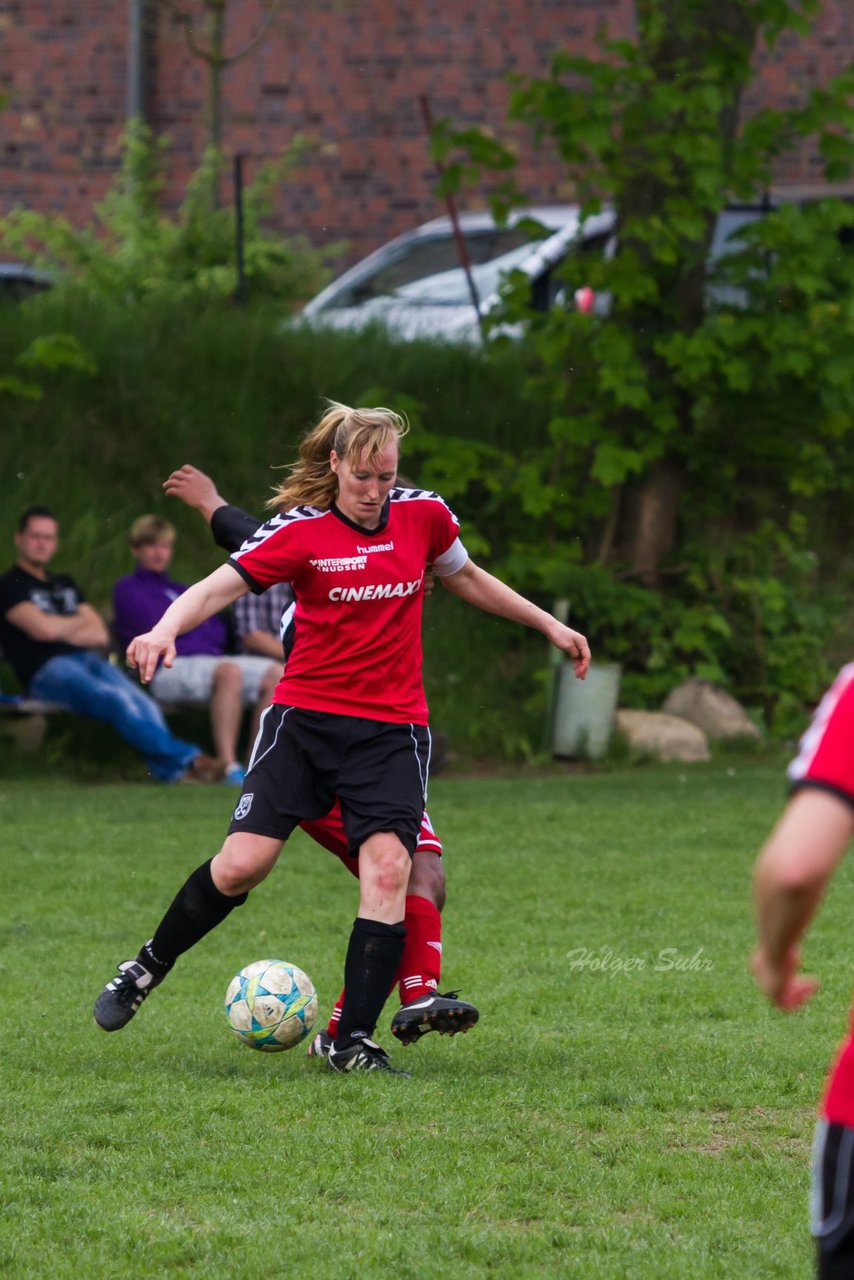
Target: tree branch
column 185, row 20
column 272, row 14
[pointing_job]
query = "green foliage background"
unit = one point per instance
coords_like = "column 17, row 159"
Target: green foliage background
column 231, row 391
column 717, row 396
column 695, row 479
column 160, row 384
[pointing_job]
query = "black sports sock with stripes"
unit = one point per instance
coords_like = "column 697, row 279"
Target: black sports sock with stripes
column 373, row 957
column 197, row 908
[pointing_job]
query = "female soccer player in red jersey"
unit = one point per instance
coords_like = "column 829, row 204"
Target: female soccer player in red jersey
column 423, row 1007
column 348, row 718
column 792, row 873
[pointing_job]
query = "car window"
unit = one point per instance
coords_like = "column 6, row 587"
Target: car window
column 729, row 223
column 429, row 257
column 450, row 288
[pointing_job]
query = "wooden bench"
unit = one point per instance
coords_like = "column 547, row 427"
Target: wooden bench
column 24, row 719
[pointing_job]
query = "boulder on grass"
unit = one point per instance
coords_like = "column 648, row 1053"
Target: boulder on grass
column 711, row 709
column 661, row 736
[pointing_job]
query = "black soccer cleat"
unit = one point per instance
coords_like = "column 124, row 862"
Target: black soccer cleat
column 320, row 1044
column 121, row 998
column 363, row 1055
column 443, row 1013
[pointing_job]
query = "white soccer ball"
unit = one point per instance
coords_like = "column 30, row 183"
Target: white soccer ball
column 271, row 1005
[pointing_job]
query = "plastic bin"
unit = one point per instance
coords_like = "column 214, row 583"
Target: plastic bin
column 584, row 710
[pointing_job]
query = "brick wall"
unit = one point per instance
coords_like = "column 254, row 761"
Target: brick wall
column 346, row 74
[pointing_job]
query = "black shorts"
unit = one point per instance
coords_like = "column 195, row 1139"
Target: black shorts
column 303, row 759
column 833, row 1201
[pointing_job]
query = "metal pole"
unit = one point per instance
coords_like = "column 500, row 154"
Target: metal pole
column 462, row 250
column 240, row 290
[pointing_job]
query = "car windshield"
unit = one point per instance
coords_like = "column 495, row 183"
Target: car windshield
column 430, row 258
column 450, row 288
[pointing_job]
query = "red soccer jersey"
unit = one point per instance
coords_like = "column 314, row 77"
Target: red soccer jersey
column 357, row 623
column 825, row 756
column 838, row 1102
column 825, row 760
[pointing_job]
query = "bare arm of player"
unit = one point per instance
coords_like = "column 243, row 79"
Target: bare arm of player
column 789, row 880
column 198, row 603
column 196, row 489
column 481, row 589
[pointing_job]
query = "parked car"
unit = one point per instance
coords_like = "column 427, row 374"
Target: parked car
column 416, row 287
column 18, row 281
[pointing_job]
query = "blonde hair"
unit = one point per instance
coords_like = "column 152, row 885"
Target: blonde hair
column 149, row 529
column 353, row 434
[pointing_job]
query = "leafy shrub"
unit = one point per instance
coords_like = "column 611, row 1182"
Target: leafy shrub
column 133, row 250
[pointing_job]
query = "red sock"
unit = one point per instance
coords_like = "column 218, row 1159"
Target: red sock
column 421, row 963
column 335, row 1016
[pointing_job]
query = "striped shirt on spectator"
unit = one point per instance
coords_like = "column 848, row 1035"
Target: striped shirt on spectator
column 262, row 613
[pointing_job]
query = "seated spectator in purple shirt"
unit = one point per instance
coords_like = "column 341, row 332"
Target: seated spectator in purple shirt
column 204, row 672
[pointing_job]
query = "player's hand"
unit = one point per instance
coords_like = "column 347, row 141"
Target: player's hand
column 429, row 580
column 193, row 487
column 144, row 653
column 781, row 983
column 574, row 644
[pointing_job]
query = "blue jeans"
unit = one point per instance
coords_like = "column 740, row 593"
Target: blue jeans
column 90, row 686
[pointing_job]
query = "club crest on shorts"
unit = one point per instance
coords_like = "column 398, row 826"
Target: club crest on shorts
column 244, row 804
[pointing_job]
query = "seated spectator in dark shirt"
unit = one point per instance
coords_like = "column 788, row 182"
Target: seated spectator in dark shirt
column 204, row 672
column 51, row 637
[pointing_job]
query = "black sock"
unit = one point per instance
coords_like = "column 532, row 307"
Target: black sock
column 197, row 908
column 373, row 957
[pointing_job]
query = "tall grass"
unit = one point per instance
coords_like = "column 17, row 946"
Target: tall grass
column 231, row 391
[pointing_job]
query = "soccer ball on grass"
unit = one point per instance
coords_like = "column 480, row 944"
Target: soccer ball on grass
column 271, row 1005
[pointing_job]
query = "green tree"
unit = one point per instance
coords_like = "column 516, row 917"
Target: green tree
column 713, row 399
column 210, row 17
column 653, row 128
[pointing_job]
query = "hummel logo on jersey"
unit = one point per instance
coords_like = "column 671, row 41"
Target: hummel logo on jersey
column 338, row 563
column 375, row 591
column 381, row 546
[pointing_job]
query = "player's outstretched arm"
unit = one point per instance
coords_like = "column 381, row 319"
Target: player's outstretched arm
column 198, row 603
column 489, row 593
column 790, row 877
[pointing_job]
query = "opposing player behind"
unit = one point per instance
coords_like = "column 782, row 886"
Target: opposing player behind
column 349, row 717
column 423, row 1007
column 790, row 878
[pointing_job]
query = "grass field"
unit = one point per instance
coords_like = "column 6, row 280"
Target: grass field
column 627, row 1107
